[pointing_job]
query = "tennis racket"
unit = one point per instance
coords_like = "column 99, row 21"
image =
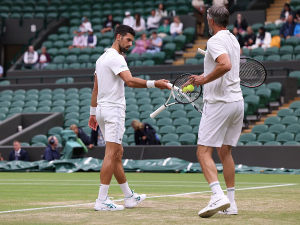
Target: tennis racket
column 181, row 94
column 252, row 72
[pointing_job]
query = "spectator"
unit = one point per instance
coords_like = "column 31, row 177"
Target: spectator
column 30, row 57
column 1, row 71
column 82, row 136
column 18, row 154
column 287, row 29
column 79, row 41
column 238, row 36
column 164, row 29
column 249, row 38
column 161, row 11
column 284, row 14
column 109, row 24
column 263, row 39
column 199, row 12
column 139, row 23
column 1, row 158
column 241, row 24
column 97, row 137
column 144, row 133
column 128, row 20
column 221, row 2
column 44, row 58
column 51, row 152
column 141, row 45
column 91, row 39
column 85, row 25
column 176, row 27
column 152, row 21
column 297, row 29
column 155, row 43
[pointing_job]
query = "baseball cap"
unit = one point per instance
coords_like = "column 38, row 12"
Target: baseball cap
column 127, row 13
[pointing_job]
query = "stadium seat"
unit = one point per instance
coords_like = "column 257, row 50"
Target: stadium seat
column 297, row 113
column 286, row 57
column 178, row 114
column 293, row 128
column 276, row 90
column 287, row 49
column 30, row 109
column 292, row 41
column 284, row 137
column 67, row 80
column 295, row 105
column 58, row 109
column 288, row 120
column 252, row 101
column 150, row 121
column 163, row 114
column 257, row 51
column 273, row 143
column 159, row 58
column 191, row 61
column 39, row 138
column 295, row 74
column 38, row 144
column 143, row 101
column 45, row 103
column 169, row 49
column 172, row 143
column 291, row 143
column 245, row 138
column 55, row 130
column 259, row 129
column 264, row 97
column 253, row 143
column 167, row 129
column 84, row 116
column 187, row 139
column 180, row 41
column 271, row 51
column 272, row 120
column 169, row 137
column 277, row 129
column 273, row 58
column 176, row 107
column 142, row 95
column 68, row 123
column 164, row 121
column 266, row 137
column 15, row 110
column 143, row 115
column 83, row 123
column 71, row 115
column 3, row 110
column 43, row 109
column 183, row 129
column 17, row 104
column 285, row 112
column 195, row 121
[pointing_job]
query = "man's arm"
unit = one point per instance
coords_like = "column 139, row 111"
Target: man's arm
column 92, row 121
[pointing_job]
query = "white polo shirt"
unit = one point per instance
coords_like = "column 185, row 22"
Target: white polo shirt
column 226, row 88
column 110, row 85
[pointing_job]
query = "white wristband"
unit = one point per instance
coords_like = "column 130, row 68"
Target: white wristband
column 93, row 111
column 150, row 84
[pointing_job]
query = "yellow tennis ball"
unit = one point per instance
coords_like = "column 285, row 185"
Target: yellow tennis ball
column 184, row 89
column 190, row 87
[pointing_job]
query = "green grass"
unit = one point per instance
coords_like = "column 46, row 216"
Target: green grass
column 273, row 205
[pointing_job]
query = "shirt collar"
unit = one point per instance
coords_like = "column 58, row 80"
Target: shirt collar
column 19, row 151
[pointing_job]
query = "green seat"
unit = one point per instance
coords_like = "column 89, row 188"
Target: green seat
column 180, row 41
column 24, row 144
column 293, row 143
column 157, row 94
column 131, row 115
column 253, row 143
column 59, row 59
column 142, row 95
column 180, row 121
column 74, row 66
column 270, row 27
column 58, row 44
column 273, row 58
column 248, row 91
column 71, row 91
column 239, row 143
column 163, row 114
column 272, row 120
column 6, row 98
column 47, row 44
column 15, row 110
column 245, row 138
column 284, row 137
column 62, row 52
column 17, row 104
column 169, row 137
column 277, row 129
column 134, row 108
column 71, row 58
column 84, row 109
column 20, row 92
column 85, row 90
column 94, row 57
column 73, row 108
column 272, row 143
column 44, row 109
column 39, row 138
column 184, row 129
column 286, row 57
column 158, row 101
column 172, row 143
column 63, row 30
column 292, row 41
column 85, row 102
column 45, row 97
column 159, row 58
column 148, row 62
column 7, row 92
column 132, row 57
column 142, row 108
column 85, row 96
column 67, row 80
column 4, row 110
column 84, row 116
column 58, row 103
column 285, row 112
column 30, row 109
column 293, row 128
column 266, row 137
column 45, row 103
column 38, row 144
column 130, row 101
column 167, row 39
column 58, row 97
column 167, row 129
column 150, row 121
column 129, row 95
column 288, row 120
column 105, row 42
column 264, row 97
column 164, row 121
column 191, row 61
column 70, row 122
column 287, row 49
column 295, row 105
column 143, row 101
column 253, row 102
column 272, row 51
column 53, row 37
column 187, row 139
column 178, row 114
column 71, row 115
column 256, row 26
column 297, row 50
column 169, row 49
column 259, row 129
column 297, row 113
column 84, row 58
column 18, row 98
column 189, row 32
column 257, row 51
column 58, row 109
column 297, row 75
column 83, row 123
column 195, row 121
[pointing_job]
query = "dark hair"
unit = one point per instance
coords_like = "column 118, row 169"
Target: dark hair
column 288, row 5
column 163, row 9
column 138, row 20
column 262, row 35
column 123, row 30
column 219, row 14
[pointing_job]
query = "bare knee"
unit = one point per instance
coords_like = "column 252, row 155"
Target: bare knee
column 203, row 151
column 120, row 154
column 224, row 152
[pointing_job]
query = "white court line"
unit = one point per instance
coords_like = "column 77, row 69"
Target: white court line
column 159, row 196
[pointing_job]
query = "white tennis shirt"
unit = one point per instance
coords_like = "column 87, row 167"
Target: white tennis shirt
column 110, row 85
column 226, row 88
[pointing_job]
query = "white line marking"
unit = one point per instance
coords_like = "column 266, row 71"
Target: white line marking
column 125, row 162
column 189, row 166
column 165, row 161
column 87, row 160
column 159, row 196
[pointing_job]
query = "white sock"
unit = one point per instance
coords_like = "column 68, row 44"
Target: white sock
column 216, row 188
column 231, row 194
column 103, row 190
column 126, row 190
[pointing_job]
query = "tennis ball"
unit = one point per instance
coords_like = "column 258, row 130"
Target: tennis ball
column 184, row 89
column 190, row 87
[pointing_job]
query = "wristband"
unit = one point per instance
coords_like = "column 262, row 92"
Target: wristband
column 93, row 111
column 150, row 84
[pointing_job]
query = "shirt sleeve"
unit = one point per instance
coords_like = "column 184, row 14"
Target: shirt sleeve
column 26, row 57
column 215, row 48
column 1, row 70
column 35, row 57
column 117, row 65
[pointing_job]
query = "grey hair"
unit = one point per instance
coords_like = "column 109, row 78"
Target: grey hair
column 219, row 14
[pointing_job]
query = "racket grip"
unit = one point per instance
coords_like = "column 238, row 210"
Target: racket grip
column 202, row 52
column 158, row 111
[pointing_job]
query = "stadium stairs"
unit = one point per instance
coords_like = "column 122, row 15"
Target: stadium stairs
column 274, row 11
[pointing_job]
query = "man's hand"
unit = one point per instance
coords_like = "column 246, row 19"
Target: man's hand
column 93, row 123
column 162, row 84
column 91, row 145
column 198, row 80
column 144, row 138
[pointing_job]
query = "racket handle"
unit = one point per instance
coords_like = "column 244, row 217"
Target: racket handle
column 202, row 52
column 158, row 111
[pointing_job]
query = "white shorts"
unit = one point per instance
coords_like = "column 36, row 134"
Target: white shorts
column 221, row 124
column 111, row 121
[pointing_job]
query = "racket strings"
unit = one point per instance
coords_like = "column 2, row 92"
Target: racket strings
column 187, row 96
column 252, row 73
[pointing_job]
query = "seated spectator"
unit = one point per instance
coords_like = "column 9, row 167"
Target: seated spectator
column 144, row 133
column 176, row 27
column 164, row 29
column 44, row 58
column 155, row 43
column 1, row 72
column 109, row 24
column 161, row 11
column 221, row 2
column 238, row 36
column 82, row 136
column 97, row 137
column 51, row 152
column 139, row 23
column 30, row 57
column 297, row 29
column 199, row 12
column 79, row 41
column 249, row 38
column 287, row 29
column 18, row 154
column 241, row 24
column 153, row 21
column 128, row 20
column 141, row 45
column 91, row 39
column 263, row 39
column 284, row 14
column 85, row 25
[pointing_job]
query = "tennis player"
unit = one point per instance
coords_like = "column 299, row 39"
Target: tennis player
column 108, row 110
column 223, row 110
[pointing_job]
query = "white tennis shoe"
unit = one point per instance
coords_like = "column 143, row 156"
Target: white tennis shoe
column 232, row 210
column 133, row 200
column 107, row 205
column 215, row 204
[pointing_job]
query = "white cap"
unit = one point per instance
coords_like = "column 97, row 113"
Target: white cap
column 90, row 30
column 127, row 13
